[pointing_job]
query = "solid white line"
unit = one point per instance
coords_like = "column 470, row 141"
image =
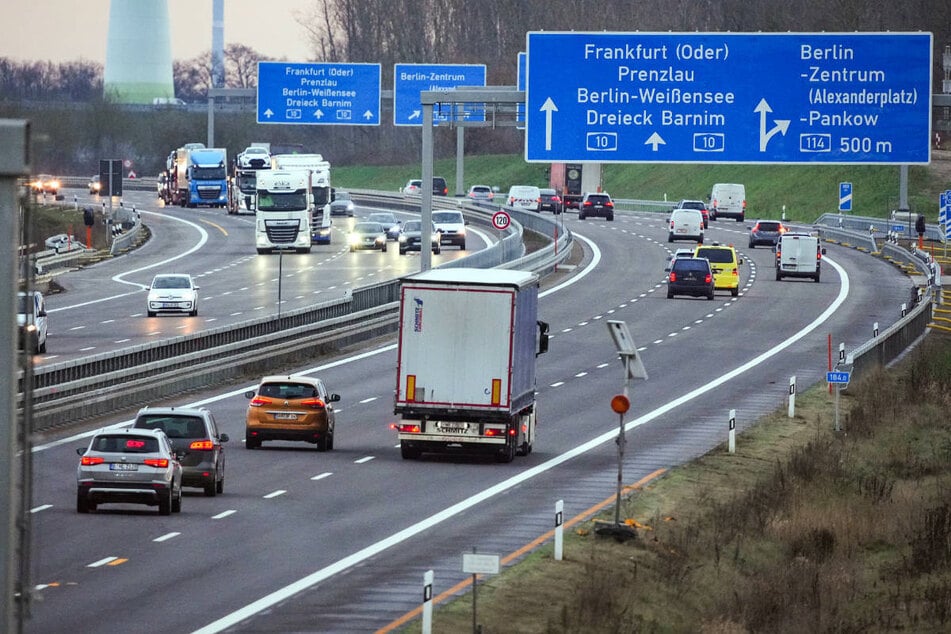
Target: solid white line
column 166, row 537
column 275, row 494
column 101, row 562
column 41, row 507
column 223, row 514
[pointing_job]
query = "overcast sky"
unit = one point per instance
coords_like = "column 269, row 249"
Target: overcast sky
column 68, row 30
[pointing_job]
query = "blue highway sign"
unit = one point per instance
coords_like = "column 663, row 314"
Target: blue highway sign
column 832, row 98
column 411, row 79
column 845, row 196
column 837, row 377
column 324, row 93
column 520, row 85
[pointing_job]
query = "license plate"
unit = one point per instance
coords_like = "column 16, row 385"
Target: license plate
column 285, row 416
column 681, row 231
column 457, row 428
column 123, row 466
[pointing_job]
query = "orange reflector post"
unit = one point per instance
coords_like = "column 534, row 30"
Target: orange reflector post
column 496, row 391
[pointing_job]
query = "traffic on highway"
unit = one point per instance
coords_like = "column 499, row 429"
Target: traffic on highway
column 334, row 533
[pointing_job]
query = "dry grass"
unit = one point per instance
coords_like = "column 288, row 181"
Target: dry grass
column 801, row 530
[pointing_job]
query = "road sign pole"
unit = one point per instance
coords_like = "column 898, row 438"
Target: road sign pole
column 426, row 195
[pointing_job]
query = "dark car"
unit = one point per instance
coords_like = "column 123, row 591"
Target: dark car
column 690, row 276
column 766, row 232
column 596, row 204
column 196, row 441
column 700, row 206
column 439, row 186
column 549, row 200
column 367, row 235
column 411, row 237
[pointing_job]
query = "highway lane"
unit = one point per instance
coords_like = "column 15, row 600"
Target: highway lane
column 216, row 566
column 104, row 306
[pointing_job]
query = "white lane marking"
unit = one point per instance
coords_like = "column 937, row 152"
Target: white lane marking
column 367, row 400
column 321, row 476
column 166, row 537
column 275, row 494
column 581, row 374
column 223, row 514
column 557, row 384
column 602, row 365
column 363, row 460
column 77, row 328
column 41, row 507
column 101, row 562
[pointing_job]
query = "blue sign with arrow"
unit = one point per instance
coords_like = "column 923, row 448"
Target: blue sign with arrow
column 832, row 98
column 411, row 79
column 845, row 196
column 318, row 94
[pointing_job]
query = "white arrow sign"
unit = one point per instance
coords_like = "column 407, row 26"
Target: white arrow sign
column 655, row 140
column 548, row 107
column 367, row 115
column 319, row 114
column 268, row 113
column 781, row 125
column 415, row 115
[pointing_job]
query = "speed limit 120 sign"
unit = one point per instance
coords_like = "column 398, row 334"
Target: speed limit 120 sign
column 501, row 220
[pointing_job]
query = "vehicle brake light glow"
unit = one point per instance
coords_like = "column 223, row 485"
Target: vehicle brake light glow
column 161, row 463
column 202, row 445
column 493, row 432
column 134, row 444
column 406, row 428
column 706, row 279
column 673, row 277
column 258, row 401
column 88, row 461
column 314, row 403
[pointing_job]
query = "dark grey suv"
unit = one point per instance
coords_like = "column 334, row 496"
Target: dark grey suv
column 596, row 204
column 690, row 276
column 196, row 441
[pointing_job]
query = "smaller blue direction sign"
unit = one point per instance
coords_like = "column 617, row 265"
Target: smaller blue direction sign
column 411, row 79
column 520, row 85
column 319, row 94
column 845, row 196
column 839, row 378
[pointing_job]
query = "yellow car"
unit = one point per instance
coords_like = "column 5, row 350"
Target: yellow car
column 725, row 265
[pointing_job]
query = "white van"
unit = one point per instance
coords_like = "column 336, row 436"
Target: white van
column 729, row 201
column 798, row 255
column 32, row 321
column 523, row 197
column 685, row 224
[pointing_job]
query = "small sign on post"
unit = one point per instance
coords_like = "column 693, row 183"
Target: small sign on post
column 732, row 431
column 477, row 564
column 792, row 397
column 845, row 197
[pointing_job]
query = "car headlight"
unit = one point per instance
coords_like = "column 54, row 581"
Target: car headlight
column 353, row 238
column 402, row 238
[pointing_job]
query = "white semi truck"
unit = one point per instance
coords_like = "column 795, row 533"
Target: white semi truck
column 465, row 369
column 320, row 184
column 285, row 202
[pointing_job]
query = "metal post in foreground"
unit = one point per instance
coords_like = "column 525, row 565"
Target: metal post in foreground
column 732, row 431
column 14, row 163
column 559, row 530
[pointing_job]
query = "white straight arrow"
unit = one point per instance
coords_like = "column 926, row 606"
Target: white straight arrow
column 548, row 107
column 655, row 140
column 781, row 125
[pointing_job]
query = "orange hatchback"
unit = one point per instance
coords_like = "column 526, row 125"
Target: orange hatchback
column 290, row 408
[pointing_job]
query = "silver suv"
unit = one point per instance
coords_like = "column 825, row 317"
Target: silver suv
column 196, row 441
column 133, row 466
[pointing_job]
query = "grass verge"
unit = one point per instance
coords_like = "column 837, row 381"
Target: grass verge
column 802, row 529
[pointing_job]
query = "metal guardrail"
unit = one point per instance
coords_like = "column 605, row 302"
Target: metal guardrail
column 899, row 223
column 848, row 237
column 66, row 392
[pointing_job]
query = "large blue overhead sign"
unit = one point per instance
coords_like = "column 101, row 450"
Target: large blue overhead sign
column 411, row 79
column 324, row 93
column 729, row 97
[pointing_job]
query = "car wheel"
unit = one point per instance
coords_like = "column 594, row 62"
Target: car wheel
column 437, row 251
column 352, row 249
column 710, row 295
column 779, row 275
column 700, row 240
column 193, row 313
column 322, row 443
column 165, row 506
column 611, row 218
column 462, row 247
column 211, row 488
column 670, row 295
column 670, row 237
column 330, row 442
column 383, row 249
column 151, row 313
column 82, row 506
column 752, row 245
column 580, row 216
column 735, row 292
column 740, row 219
column 177, row 502
column 251, row 443
column 816, row 278
column 220, row 486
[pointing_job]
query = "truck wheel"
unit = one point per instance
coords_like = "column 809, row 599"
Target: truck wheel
column 779, row 275
column 409, row 452
column 816, row 278
column 507, row 453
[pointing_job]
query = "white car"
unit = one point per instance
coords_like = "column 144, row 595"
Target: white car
column 63, row 242
column 172, row 293
column 523, row 197
column 32, row 322
column 254, row 157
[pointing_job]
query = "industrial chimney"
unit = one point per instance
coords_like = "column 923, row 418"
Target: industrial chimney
column 138, row 52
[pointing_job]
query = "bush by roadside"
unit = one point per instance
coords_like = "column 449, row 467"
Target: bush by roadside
column 801, row 530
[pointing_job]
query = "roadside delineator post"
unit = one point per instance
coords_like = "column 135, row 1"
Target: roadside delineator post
column 791, row 413
column 559, row 530
column 428, row 602
column 732, row 431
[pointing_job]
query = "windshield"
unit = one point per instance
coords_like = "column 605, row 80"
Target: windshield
column 247, row 182
column 208, row 173
column 23, row 302
column 171, row 282
column 720, row 256
column 321, row 196
column 270, row 201
column 174, row 426
column 447, row 216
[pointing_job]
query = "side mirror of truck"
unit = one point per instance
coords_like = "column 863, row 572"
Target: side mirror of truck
column 542, row 338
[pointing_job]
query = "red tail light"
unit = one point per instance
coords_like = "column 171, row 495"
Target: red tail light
column 707, row 279
column 161, row 463
column 735, row 273
column 587, row 203
column 673, row 277
column 314, row 403
column 818, row 254
column 258, row 401
column 202, row 445
column 609, row 204
column 744, row 204
column 406, row 428
column 493, row 432
column 88, row 461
